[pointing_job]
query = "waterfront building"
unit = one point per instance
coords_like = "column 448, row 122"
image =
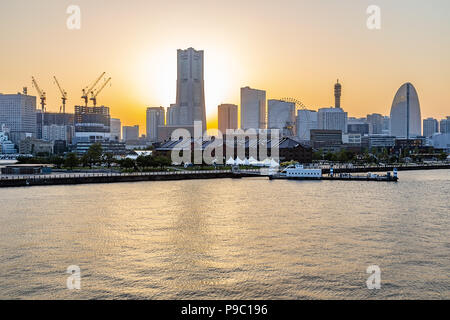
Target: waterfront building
column 55, row 132
column 306, row 121
column 281, row 116
column 332, row 119
column 92, row 124
column 405, row 113
column 114, row 147
column 326, row 139
column 18, row 114
column 253, row 108
column 228, row 117
column 156, row 118
column 130, row 133
column 378, row 141
column 6, row 145
column 444, row 125
column 337, row 94
column 190, row 101
column 430, row 127
column 61, row 124
column 441, row 141
column 358, row 128
column 375, row 122
column 35, row 146
column 352, row 139
column 116, row 129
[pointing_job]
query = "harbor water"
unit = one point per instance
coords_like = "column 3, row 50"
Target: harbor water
column 248, row 238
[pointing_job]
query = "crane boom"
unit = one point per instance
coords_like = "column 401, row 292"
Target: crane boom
column 63, row 95
column 88, row 90
column 96, row 93
column 42, row 94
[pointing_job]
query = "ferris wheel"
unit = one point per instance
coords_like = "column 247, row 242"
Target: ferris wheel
column 304, row 123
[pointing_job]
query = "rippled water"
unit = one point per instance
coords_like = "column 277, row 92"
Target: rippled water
column 246, row 238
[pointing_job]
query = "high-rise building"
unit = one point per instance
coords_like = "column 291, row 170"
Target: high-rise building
column 305, row 122
column 375, row 122
column 332, row 119
column 130, row 133
column 228, row 117
column 253, row 108
column 444, row 125
column 92, row 124
column 18, row 114
column 116, row 129
column 53, row 126
column 190, row 104
column 405, row 113
column 281, row 116
column 337, row 94
column 386, row 125
column 155, row 119
column 430, row 127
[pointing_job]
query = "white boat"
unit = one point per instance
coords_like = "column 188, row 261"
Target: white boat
column 297, row 171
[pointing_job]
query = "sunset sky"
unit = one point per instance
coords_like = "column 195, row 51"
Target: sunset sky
column 290, row 48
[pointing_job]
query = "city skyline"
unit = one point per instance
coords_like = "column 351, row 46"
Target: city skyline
column 296, row 59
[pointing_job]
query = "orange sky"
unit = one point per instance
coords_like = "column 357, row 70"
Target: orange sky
column 288, row 48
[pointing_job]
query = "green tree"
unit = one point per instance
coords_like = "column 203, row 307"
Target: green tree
column 94, row 154
column 127, row 163
column 163, row 161
column 108, row 158
column 71, row 161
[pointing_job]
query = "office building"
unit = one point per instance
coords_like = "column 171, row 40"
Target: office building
column 6, row 145
column 332, row 119
column 375, row 122
column 18, row 114
column 281, row 116
column 444, row 125
column 305, row 122
column 92, row 124
column 190, row 101
column 326, row 139
column 228, row 117
column 116, row 129
column 405, row 113
column 386, row 125
column 430, row 127
column 253, row 108
column 130, row 133
column 155, row 119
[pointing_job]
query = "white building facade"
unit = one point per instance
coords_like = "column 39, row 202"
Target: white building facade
column 281, row 116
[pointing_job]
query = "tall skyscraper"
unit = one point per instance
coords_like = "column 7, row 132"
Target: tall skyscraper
column 306, row 121
column 430, row 127
column 18, row 114
column 444, row 125
column 116, row 129
column 253, row 108
column 337, row 94
column 228, row 117
column 155, row 119
column 332, row 119
column 281, row 116
column 190, row 104
column 375, row 122
column 405, row 113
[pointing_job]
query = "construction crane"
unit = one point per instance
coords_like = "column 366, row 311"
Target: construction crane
column 41, row 93
column 95, row 94
column 88, row 90
column 63, row 95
